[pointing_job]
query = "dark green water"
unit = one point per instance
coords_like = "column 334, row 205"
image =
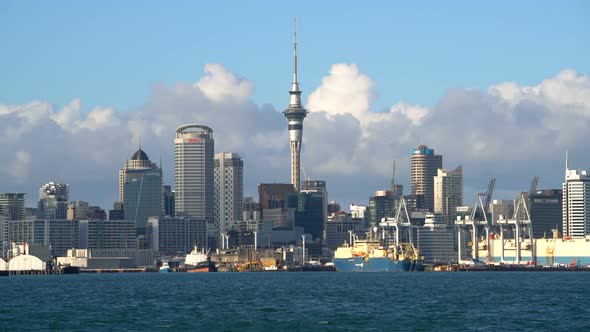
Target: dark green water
column 503, row 301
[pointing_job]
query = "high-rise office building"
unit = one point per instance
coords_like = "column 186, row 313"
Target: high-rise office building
column 576, row 203
column 143, row 196
column 424, row 165
column 310, row 214
column 12, row 206
column 546, row 212
column 194, row 186
column 53, row 201
column 83, row 211
column 381, row 206
column 318, row 187
column 229, row 189
column 448, row 193
column 278, row 202
column 169, row 204
column 60, row 191
column 295, row 113
column 139, row 161
column 501, row 208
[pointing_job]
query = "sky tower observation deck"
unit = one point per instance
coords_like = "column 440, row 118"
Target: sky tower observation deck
column 295, row 114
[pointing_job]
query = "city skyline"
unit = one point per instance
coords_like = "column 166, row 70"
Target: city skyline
column 510, row 129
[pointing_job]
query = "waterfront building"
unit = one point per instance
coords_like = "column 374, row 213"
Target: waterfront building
column 12, row 206
column 381, row 206
column 546, row 212
column 295, row 113
column 53, row 201
column 424, row 165
column 194, row 176
column 437, row 241
column 143, row 196
column 60, row 234
column 576, row 203
column 139, row 161
column 448, row 193
column 176, row 235
column 339, row 227
column 229, row 189
column 107, row 234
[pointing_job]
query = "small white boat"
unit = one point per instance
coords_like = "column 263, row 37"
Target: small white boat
column 165, row 268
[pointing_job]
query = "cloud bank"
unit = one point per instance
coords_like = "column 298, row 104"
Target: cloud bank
column 509, row 131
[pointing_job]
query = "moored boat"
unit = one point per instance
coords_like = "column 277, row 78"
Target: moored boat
column 165, row 268
column 198, row 261
column 370, row 255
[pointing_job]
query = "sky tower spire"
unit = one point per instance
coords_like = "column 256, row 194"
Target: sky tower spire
column 295, row 113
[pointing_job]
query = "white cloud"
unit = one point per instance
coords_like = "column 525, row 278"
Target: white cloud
column 220, row 84
column 510, row 131
column 345, row 90
column 20, row 165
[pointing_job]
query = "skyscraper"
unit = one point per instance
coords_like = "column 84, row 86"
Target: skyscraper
column 295, row 113
column 143, row 196
column 576, row 203
column 193, row 174
column 139, row 161
column 423, row 167
column 53, row 201
column 229, row 189
column 381, row 206
column 448, row 193
column 12, row 206
column 546, row 212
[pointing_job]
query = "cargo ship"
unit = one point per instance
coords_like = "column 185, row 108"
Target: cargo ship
column 370, row 255
column 198, row 261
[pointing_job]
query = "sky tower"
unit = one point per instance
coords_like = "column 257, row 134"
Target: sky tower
column 295, row 114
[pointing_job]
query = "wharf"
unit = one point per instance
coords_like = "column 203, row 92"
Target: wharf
column 508, row 268
column 124, row 270
column 35, row 272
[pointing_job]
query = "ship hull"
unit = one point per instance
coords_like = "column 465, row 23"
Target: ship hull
column 381, row 264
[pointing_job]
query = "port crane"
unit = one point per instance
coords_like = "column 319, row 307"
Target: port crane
column 478, row 217
column 401, row 219
column 521, row 222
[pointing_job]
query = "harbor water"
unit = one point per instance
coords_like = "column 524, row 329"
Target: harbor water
column 307, row 301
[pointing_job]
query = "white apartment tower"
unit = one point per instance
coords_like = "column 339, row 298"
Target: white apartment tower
column 576, row 203
column 193, row 174
column 448, row 193
column 229, row 189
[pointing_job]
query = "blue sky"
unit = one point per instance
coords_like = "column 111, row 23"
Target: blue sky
column 128, row 62
column 110, row 53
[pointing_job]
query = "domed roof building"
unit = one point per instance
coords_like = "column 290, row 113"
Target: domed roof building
column 138, row 161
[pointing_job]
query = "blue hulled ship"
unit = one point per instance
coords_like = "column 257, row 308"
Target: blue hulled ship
column 370, row 255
